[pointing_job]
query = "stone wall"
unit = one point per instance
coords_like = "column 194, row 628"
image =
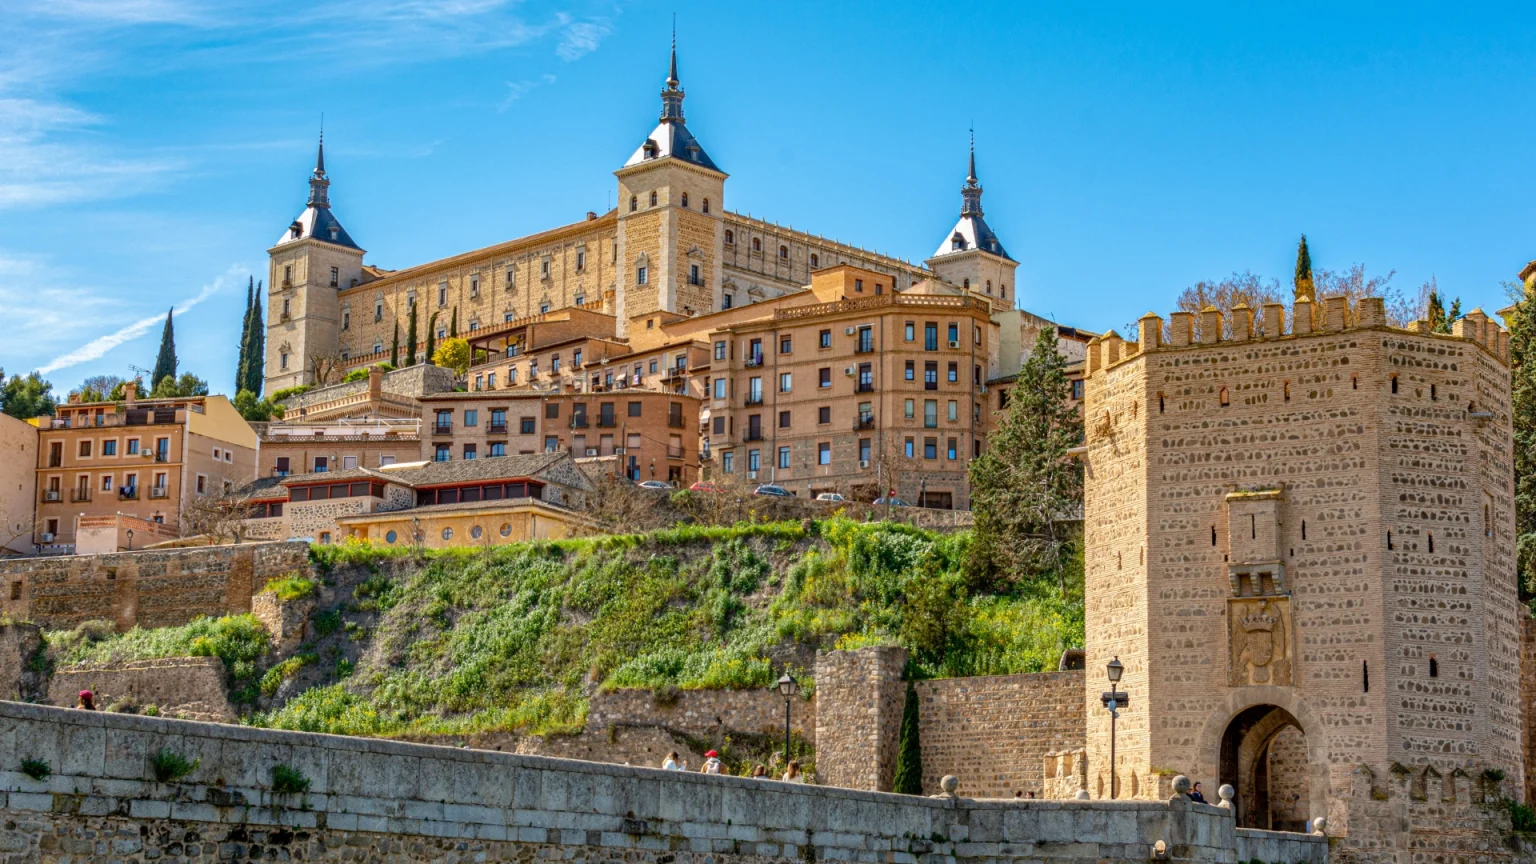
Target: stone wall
column 1281, row 846
column 287, row 621
column 19, row 643
column 185, row 687
column 371, row 800
column 859, row 696
column 1528, row 702
column 702, row 713
column 993, row 732
column 1418, row 815
column 148, row 589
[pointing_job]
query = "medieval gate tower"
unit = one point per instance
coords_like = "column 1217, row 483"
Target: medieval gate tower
column 1300, row 544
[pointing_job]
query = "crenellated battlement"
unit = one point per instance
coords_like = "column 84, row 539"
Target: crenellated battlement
column 1244, row 324
column 1419, row 814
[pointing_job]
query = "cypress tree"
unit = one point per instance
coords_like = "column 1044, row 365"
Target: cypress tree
column 410, row 338
column 1522, row 356
column 394, row 347
column 258, row 353
column 453, row 328
column 1303, row 279
column 242, row 365
column 909, row 755
column 165, row 363
column 431, row 338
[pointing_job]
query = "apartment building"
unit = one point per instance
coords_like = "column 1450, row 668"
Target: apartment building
column 140, row 458
column 369, row 442
column 654, row 434
column 18, row 485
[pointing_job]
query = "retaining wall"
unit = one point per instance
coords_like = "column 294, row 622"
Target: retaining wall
column 188, row 687
column 374, row 800
column 702, row 713
column 1281, row 846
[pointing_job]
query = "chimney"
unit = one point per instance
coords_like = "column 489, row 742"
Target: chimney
column 130, row 393
column 591, row 217
column 375, row 383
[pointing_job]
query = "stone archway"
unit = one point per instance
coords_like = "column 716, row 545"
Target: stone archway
column 1238, row 745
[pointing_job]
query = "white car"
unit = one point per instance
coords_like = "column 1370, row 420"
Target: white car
column 830, row 496
column 661, row 485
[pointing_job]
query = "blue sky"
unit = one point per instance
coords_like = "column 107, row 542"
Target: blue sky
column 150, row 150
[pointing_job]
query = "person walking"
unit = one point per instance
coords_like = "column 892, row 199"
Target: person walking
column 87, row 701
column 793, row 775
column 671, row 763
column 711, row 763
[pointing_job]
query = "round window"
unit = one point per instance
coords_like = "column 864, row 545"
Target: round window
column 506, row 529
column 475, row 532
column 391, row 537
column 447, row 533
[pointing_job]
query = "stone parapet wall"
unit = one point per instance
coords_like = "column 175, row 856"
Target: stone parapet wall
column 1416, row 814
column 993, row 732
column 859, row 697
column 702, row 713
column 146, row 589
column 186, row 687
column 372, row 800
column 1277, row 846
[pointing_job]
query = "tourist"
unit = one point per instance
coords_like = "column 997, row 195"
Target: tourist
column 793, row 775
column 1196, row 795
column 671, row 764
column 87, row 701
column 759, row 770
column 711, row 763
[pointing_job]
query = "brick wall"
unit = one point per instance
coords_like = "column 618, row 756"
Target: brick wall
column 148, row 589
column 1528, row 701
column 702, row 713
column 187, row 687
column 993, row 732
column 858, row 718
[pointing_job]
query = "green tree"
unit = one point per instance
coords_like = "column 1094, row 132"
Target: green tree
column 255, row 409
column 410, row 338
column 431, row 337
column 1025, row 490
column 27, row 396
column 1303, row 278
column 165, row 363
column 256, row 352
column 1440, row 319
column 453, row 328
column 394, row 347
column 180, row 388
column 99, row 388
column 117, row 394
column 1522, row 356
column 242, row 364
column 909, row 755
column 453, row 354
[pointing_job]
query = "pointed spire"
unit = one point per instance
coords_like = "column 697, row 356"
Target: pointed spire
column 319, row 186
column 672, row 97
column 971, row 177
column 970, row 193
column 320, row 153
column 672, row 75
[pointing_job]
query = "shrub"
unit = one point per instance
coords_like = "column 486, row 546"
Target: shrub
column 275, row 676
column 280, row 395
column 168, row 765
column 1522, row 817
column 291, row 586
column 238, row 640
column 37, row 769
column 288, row 780
column 328, row 622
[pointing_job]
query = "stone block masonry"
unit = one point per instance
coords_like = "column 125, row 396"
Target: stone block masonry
column 702, row 713
column 372, row 800
column 994, row 732
column 145, row 589
column 184, row 687
column 860, row 696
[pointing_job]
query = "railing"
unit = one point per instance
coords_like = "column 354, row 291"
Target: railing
column 754, row 399
column 442, row 429
column 752, row 436
column 129, row 494
column 496, row 429
column 674, row 454
column 863, row 423
column 162, row 457
column 55, row 463
column 865, row 387
column 52, row 495
column 676, row 422
column 894, row 299
column 755, row 360
column 864, row 348
column 79, row 495
column 606, row 422
column 159, row 492
column 579, row 421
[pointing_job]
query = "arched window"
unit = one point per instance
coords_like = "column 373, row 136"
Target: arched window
column 1394, row 383
column 1226, row 399
column 634, row 203
column 757, row 244
column 989, row 286
column 730, row 238
column 1002, row 290
column 685, row 199
column 706, row 205
column 815, row 261
column 967, row 284
column 653, row 197
column 783, row 253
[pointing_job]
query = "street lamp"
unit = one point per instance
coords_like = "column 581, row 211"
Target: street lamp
column 130, row 539
column 789, row 687
column 1114, row 701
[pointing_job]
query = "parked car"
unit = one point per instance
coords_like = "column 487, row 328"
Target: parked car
column 660, row 485
column 705, row 486
column 770, row 489
column 894, row 502
column 830, row 496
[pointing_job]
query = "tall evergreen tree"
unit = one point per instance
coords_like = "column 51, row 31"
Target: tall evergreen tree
column 453, row 328
column 257, row 353
column 431, row 338
column 165, row 363
column 909, row 754
column 394, row 347
column 410, row 338
column 1303, row 279
column 1024, row 488
column 1522, row 356
column 242, row 365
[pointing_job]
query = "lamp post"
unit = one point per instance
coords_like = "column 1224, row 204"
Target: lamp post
column 789, row 687
column 130, row 539
column 1114, row 701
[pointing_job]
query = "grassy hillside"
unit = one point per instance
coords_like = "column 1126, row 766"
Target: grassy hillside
column 515, row 637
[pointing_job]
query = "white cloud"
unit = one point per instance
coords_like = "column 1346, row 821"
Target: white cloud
column 99, row 346
column 582, row 38
column 518, row 89
column 122, row 11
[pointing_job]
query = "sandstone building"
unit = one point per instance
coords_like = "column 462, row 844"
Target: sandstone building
column 1300, row 544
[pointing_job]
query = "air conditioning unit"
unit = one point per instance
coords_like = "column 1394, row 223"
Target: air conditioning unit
column 591, row 451
column 954, row 343
column 751, row 475
column 619, row 451
column 848, row 370
column 848, row 331
column 863, row 463
column 47, row 537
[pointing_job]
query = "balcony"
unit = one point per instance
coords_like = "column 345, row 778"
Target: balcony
column 80, row 495
column 54, row 462
column 130, row 493
column 865, row 387
column 674, row 454
column 52, row 495
column 159, row 492
column 754, row 360
column 675, row 421
column 606, row 422
column 865, row 422
column 442, row 429
column 162, row 456
column 754, row 399
column 496, row 429
column 753, row 435
column 579, row 421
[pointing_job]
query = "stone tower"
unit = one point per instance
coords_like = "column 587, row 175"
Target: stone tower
column 671, row 232
column 309, row 265
column 971, row 256
column 1300, row 544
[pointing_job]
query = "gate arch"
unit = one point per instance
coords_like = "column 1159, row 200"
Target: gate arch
column 1243, row 726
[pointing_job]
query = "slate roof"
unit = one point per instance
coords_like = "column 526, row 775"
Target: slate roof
column 672, row 138
column 320, row 224
column 977, row 235
column 442, row 473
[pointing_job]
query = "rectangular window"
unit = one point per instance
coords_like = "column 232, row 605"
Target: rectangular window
column 554, row 363
column 471, row 417
column 824, row 339
column 754, row 460
column 824, row 377
column 911, row 370
column 693, row 275
column 1077, row 389
column 754, row 390
column 335, row 277
column 498, row 449
column 954, row 410
column 783, row 419
column 719, row 423
column 322, row 464
column 784, row 382
column 641, row 276
column 525, row 426
column 783, row 457
column 634, row 409
column 785, row 344
column 866, row 378
column 576, row 357
column 909, row 409
column 469, row 451
column 85, row 449
column 930, row 413
column 824, row 453
column 911, row 332
column 824, row 414
column 954, row 373
column 953, row 449
column 552, row 411
column 720, row 350
column 931, row 336
column 866, row 340
column 133, row 446
column 551, row 444
column 930, row 375
column 930, row 448
column 348, row 462
column 442, row 294
column 109, row 448
column 864, row 450
column 728, row 462
column 908, row 448
column 719, row 388
column 954, row 334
